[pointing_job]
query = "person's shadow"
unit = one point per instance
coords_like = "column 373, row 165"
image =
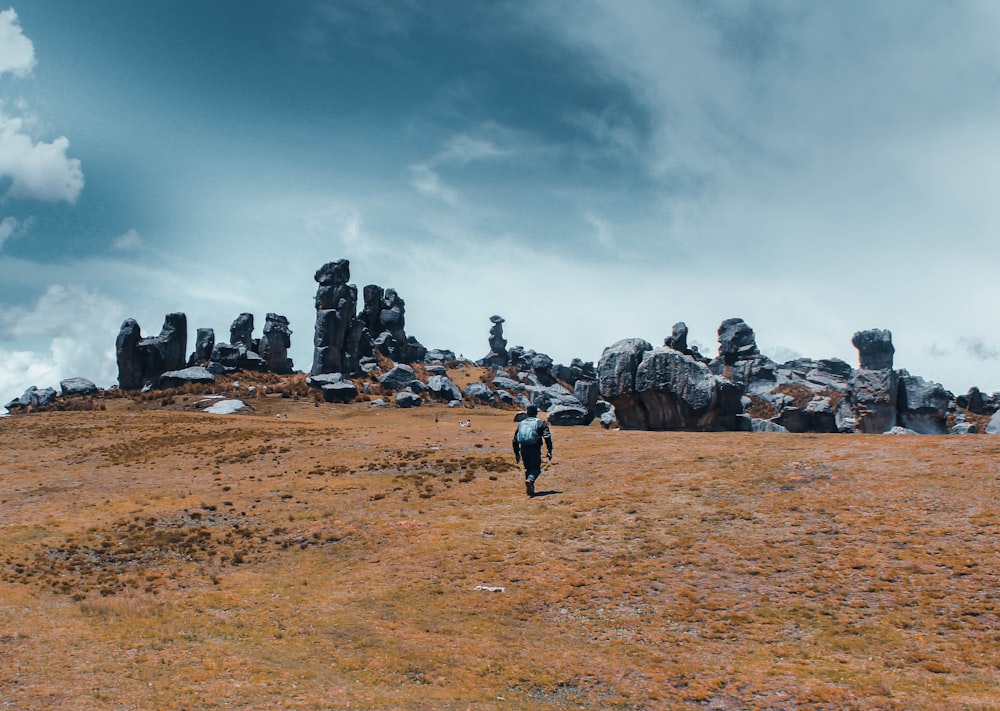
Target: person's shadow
column 550, row 492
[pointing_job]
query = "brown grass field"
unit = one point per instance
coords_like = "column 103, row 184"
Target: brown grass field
column 313, row 556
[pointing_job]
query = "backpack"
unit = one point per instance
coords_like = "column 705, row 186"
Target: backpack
column 527, row 431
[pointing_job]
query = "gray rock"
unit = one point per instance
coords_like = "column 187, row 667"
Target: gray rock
column 241, row 331
column 441, row 355
column 617, row 368
column 964, row 428
column 874, row 394
column 504, row 396
column 588, row 392
column 185, row 376
column 923, row 405
column 479, row 391
column 401, row 376
column 77, row 387
column 323, row 379
column 816, row 416
column 875, row 349
column 502, row 381
column 436, row 370
column 344, row 391
column 442, row 388
column 544, row 398
column 897, row 430
column 274, row 344
column 676, row 391
column 759, row 425
column 143, row 360
column 678, row 338
column 203, row 345
column 994, row 424
column 736, row 341
column 32, row 397
column 568, row 415
column 407, row 398
column 608, row 419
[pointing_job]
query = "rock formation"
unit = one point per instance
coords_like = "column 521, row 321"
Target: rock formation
column 875, row 349
column 141, row 361
column 273, row 346
column 343, row 340
column 498, row 356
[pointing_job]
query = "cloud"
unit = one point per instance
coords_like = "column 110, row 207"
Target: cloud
column 8, row 226
column 78, row 327
column 17, row 53
column 128, row 241
column 426, row 181
column 979, row 349
column 37, row 170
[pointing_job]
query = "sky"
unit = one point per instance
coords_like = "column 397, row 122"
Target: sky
column 590, row 170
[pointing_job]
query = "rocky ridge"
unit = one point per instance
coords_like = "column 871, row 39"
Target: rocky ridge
column 635, row 385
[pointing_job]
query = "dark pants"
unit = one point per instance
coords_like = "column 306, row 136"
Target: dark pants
column 532, row 458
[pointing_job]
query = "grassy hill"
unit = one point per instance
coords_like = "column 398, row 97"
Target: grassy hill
column 313, row 556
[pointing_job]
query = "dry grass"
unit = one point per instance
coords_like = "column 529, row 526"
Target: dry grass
column 153, row 556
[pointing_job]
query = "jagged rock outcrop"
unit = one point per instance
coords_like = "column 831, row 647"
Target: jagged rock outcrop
column 274, row 345
column 241, row 331
column 441, row 387
column 736, row 341
column 142, row 361
column 978, row 402
column 204, row 344
column 664, row 389
column 343, row 339
column 875, row 349
column 923, row 405
column 874, row 395
column 498, row 356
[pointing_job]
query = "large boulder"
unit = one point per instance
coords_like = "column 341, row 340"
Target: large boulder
column 441, row 387
column 241, row 331
column 407, row 398
column 923, row 405
column 874, row 394
column 736, row 341
column 479, row 391
column 675, row 391
column 77, row 387
column 546, row 397
column 993, row 427
column 142, row 361
column 275, row 343
column 185, row 376
column 569, row 415
column 617, row 367
column 343, row 391
column 400, row 377
column 875, row 349
column 203, row 346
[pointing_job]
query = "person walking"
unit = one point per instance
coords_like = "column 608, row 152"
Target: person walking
column 528, row 438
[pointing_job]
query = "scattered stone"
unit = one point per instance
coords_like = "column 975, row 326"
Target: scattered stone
column 964, row 428
column 759, row 425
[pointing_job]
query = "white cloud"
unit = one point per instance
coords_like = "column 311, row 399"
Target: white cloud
column 8, row 226
column 427, row 182
column 78, row 327
column 17, row 54
column 37, row 170
column 128, row 241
